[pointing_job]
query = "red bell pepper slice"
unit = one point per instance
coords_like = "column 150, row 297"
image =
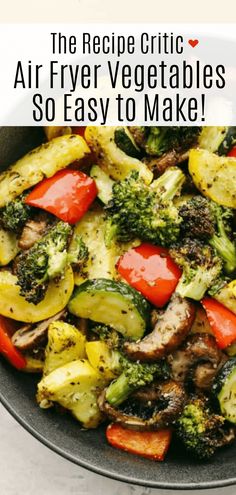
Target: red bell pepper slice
column 232, row 152
column 68, row 195
column 151, row 271
column 79, row 130
column 222, row 321
column 8, row 350
column 150, row 444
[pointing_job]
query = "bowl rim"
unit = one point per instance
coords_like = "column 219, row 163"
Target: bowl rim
column 105, row 472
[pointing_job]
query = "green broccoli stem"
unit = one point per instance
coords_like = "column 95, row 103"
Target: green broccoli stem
column 220, row 241
column 119, row 390
column 169, row 184
column 225, row 249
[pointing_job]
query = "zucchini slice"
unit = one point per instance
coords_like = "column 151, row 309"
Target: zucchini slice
column 224, row 389
column 125, row 141
column 8, row 246
column 103, row 182
column 214, row 176
column 228, row 141
column 112, row 303
column 117, row 164
column 217, row 139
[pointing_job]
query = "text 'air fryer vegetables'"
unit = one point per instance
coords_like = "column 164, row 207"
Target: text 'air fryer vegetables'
column 118, row 281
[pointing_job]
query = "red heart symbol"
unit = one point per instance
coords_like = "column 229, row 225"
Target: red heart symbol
column 193, row 43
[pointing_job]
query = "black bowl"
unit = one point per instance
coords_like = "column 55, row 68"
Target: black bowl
column 89, row 448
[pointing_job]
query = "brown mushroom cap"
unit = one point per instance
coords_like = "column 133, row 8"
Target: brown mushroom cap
column 169, row 393
column 30, row 336
column 199, row 359
column 169, row 332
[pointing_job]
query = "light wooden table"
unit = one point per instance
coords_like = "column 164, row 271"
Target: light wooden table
column 29, row 468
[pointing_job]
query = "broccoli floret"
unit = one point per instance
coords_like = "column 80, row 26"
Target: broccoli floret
column 206, row 220
column 220, row 241
column 107, row 334
column 201, row 268
column 15, row 214
column 134, row 375
column 199, row 428
column 44, row 261
column 198, row 220
column 78, row 253
column 163, row 139
column 146, row 212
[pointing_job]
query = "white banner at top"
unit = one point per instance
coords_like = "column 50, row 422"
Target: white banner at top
column 129, row 74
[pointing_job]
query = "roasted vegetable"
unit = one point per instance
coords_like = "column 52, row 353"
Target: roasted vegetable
column 105, row 360
column 171, row 327
column 8, row 247
column 107, row 334
column 45, row 261
column 220, row 241
column 200, row 429
column 68, row 195
column 214, row 176
column 42, row 162
column 110, row 157
column 227, row 296
column 7, row 348
column 146, row 212
column 55, row 131
column 217, row 139
column 198, row 219
column 133, row 376
column 163, row 139
column 14, row 306
column 222, row 321
column 150, row 444
column 201, row 323
column 101, row 259
column 65, row 344
column 208, row 221
column 103, row 182
column 78, row 253
column 33, row 364
column 201, row 268
column 224, row 389
column 125, row 141
column 112, row 303
column 15, row 214
column 75, row 387
column 151, row 271
column 152, row 407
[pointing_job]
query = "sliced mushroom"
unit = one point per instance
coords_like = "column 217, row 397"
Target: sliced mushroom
column 160, row 164
column 33, row 231
column 225, row 436
column 199, row 359
column 165, row 401
column 30, row 336
column 169, row 332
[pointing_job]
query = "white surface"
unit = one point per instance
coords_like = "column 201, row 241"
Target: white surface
column 29, row 468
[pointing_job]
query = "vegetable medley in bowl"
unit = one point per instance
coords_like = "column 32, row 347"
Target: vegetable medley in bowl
column 118, row 281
